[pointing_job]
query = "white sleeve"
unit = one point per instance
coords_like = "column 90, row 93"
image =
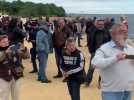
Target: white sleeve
column 100, row 61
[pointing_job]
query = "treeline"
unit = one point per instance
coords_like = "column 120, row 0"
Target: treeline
column 19, row 8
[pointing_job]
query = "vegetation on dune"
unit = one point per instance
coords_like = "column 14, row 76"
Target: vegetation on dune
column 19, row 8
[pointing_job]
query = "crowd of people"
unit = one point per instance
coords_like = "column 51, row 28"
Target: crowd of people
column 106, row 42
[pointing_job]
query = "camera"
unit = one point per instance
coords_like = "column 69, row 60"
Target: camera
column 19, row 51
column 15, row 48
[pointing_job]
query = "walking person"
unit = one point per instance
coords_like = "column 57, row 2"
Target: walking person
column 73, row 68
column 61, row 33
column 98, row 35
column 115, row 66
column 32, row 28
column 78, row 32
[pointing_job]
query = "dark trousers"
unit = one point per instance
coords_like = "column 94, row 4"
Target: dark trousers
column 33, row 57
column 79, row 38
column 78, row 35
column 74, row 89
column 58, row 56
column 90, row 73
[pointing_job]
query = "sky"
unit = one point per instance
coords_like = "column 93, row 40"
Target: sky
column 92, row 6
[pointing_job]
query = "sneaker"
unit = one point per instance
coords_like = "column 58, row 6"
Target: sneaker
column 33, row 71
column 87, row 84
column 46, row 81
column 64, row 80
column 58, row 76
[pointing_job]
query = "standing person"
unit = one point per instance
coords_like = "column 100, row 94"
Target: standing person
column 5, row 22
column 73, row 68
column 117, row 72
column 109, row 22
column 32, row 28
column 78, row 31
column 43, row 49
column 98, row 35
column 15, row 33
column 16, row 36
column 10, row 70
column 125, row 22
column 62, row 32
column 50, row 32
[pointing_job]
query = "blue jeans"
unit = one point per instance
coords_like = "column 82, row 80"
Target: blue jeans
column 126, row 95
column 74, row 89
column 43, row 58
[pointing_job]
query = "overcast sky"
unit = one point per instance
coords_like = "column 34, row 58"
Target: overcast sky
column 93, row 6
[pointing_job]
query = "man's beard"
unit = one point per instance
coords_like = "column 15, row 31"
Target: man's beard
column 121, row 41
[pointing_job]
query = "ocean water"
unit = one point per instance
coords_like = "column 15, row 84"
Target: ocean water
column 117, row 19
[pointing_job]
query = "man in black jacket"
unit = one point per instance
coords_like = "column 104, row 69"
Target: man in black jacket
column 31, row 27
column 73, row 68
column 98, row 35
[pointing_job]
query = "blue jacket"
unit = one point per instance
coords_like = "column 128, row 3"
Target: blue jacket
column 42, row 41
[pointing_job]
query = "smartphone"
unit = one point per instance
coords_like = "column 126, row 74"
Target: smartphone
column 129, row 56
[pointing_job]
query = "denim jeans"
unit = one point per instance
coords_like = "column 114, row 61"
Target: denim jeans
column 126, row 95
column 74, row 89
column 43, row 58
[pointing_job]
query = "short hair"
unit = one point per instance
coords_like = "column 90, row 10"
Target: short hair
column 70, row 40
column 100, row 19
column 3, row 36
column 115, row 26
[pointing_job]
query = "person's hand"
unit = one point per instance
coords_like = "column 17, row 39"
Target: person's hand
column 65, row 75
column 121, row 56
column 8, row 51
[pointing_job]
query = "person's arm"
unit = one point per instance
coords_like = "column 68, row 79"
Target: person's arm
column 46, row 43
column 68, row 32
column 99, row 60
column 5, row 54
column 2, row 56
column 51, row 28
column 91, row 39
column 62, row 67
column 39, row 37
